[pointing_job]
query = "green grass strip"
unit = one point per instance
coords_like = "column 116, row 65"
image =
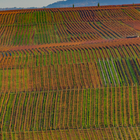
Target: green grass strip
column 58, row 57
column 80, row 56
column 33, row 110
column 123, row 71
column 1, row 77
column 53, row 109
column 122, row 106
column 130, row 105
column 44, row 56
column 14, row 111
column 87, row 55
column 131, row 70
column 105, row 107
column 113, row 72
column 119, row 76
column 84, row 106
column 43, row 110
column 66, row 57
column 138, row 89
column 95, row 54
column 37, row 60
column 105, row 75
column 109, row 73
column 73, row 56
column 96, row 108
column 100, row 73
column 113, row 104
column 8, row 113
column 57, row 110
column 88, row 107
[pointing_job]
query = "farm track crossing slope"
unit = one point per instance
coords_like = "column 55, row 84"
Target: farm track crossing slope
column 70, row 73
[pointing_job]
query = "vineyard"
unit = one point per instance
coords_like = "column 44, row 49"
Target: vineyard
column 70, row 73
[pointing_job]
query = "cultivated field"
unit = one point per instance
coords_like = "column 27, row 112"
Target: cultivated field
column 70, row 73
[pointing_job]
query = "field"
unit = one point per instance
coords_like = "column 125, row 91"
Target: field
column 70, row 73
column 41, row 26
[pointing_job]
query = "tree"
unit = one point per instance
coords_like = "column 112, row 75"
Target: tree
column 73, row 5
column 98, row 4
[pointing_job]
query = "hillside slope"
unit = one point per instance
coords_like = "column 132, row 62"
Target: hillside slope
column 70, row 73
column 78, row 3
column 46, row 26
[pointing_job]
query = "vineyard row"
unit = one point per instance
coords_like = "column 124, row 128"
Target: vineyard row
column 78, row 108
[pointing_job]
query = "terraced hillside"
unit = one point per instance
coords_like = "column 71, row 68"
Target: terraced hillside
column 45, row 26
column 70, row 73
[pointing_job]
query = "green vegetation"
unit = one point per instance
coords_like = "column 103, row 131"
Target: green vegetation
column 61, row 78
